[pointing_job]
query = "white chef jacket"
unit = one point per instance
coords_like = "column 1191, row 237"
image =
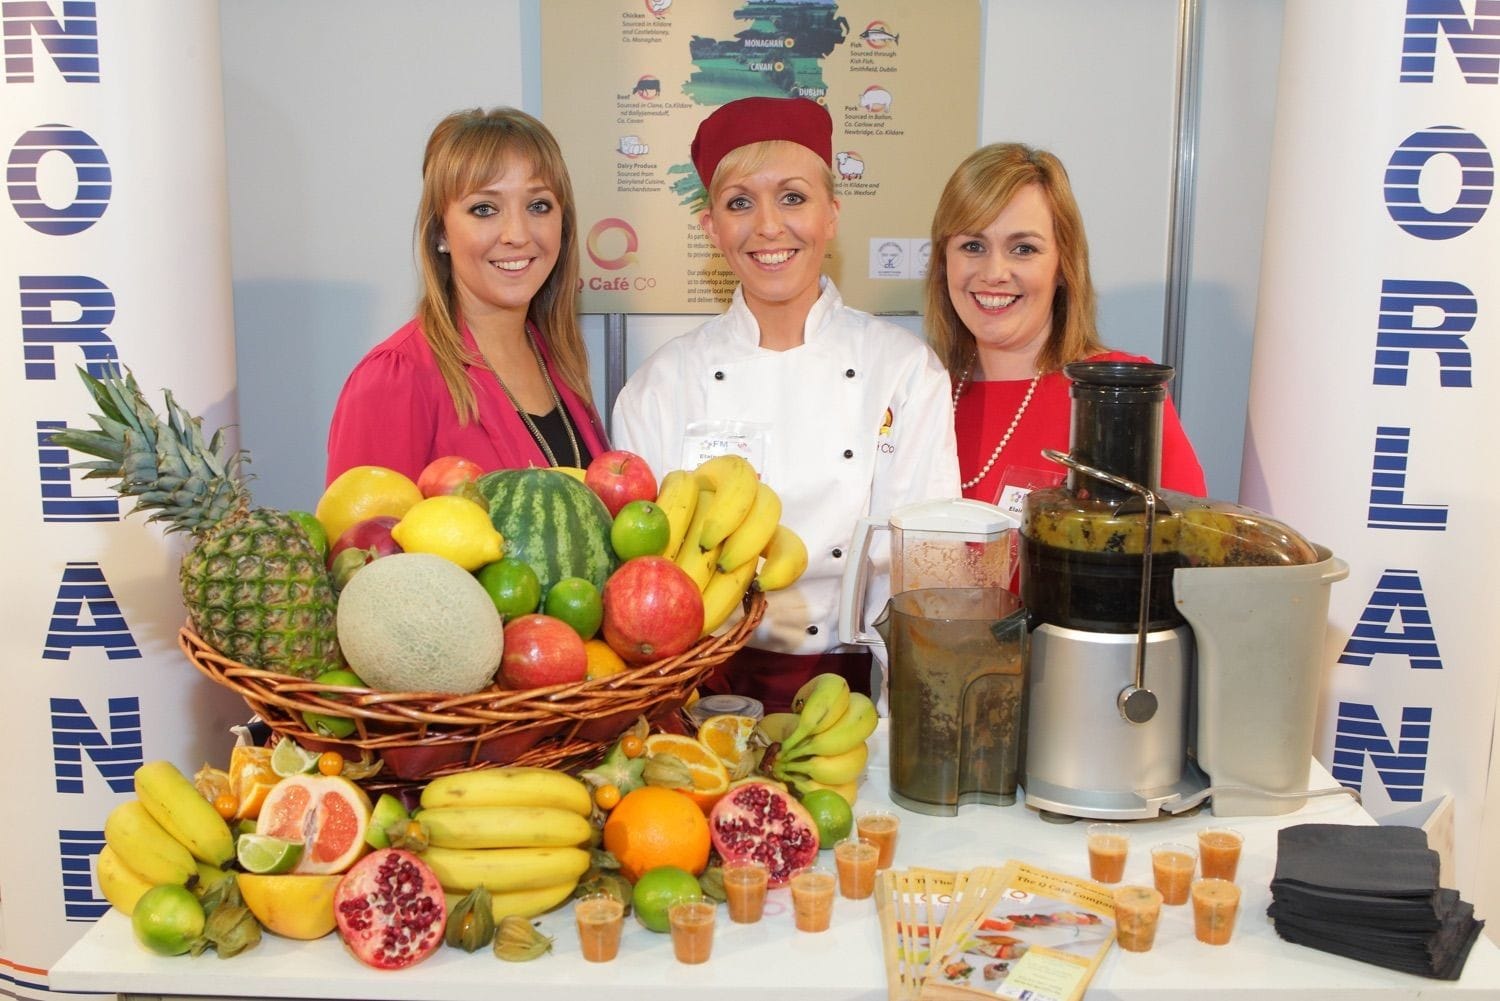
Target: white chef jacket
column 861, row 423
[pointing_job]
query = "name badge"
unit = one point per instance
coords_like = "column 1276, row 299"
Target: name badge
column 702, row 440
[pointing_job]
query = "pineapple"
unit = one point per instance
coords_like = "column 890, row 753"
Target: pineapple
column 254, row 586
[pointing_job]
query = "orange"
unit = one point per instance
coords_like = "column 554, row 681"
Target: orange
column 729, row 738
column 653, row 827
column 602, row 660
column 250, row 779
column 710, row 777
column 364, row 492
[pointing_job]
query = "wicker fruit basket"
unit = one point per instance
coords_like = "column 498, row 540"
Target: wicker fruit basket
column 420, row 735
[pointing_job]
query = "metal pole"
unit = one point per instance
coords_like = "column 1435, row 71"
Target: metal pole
column 1184, row 184
column 614, row 362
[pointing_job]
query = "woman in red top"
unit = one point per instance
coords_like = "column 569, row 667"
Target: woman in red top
column 1009, row 303
column 493, row 366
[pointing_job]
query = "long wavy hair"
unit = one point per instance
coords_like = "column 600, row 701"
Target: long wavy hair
column 976, row 193
column 465, row 151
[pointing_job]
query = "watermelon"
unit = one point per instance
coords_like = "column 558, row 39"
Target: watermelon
column 552, row 522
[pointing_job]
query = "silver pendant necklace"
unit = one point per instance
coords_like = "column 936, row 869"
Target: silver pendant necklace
column 562, row 411
column 1015, row 422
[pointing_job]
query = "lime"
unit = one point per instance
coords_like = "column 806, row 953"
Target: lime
column 576, row 601
column 831, row 813
column 291, row 758
column 512, row 585
column 168, row 919
column 455, row 528
column 640, row 529
column 658, row 889
column 267, row 856
column 327, row 724
column 314, row 529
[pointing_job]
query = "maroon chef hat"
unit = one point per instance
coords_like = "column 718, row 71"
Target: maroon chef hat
column 756, row 119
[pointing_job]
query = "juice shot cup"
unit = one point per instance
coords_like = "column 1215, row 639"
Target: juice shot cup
column 1219, row 852
column 1172, row 867
column 856, row 859
column 880, row 827
column 1137, row 912
column 601, row 918
column 1215, row 904
column 745, row 890
column 1108, row 846
column 692, row 922
column 812, row 899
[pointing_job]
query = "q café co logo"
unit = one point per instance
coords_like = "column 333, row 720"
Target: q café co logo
column 596, row 238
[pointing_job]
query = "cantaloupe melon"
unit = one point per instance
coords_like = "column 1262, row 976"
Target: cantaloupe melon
column 415, row 622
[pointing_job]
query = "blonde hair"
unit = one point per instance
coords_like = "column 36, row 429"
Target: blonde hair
column 747, row 159
column 465, row 151
column 976, row 193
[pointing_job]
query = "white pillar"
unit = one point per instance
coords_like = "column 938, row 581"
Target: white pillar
column 113, row 247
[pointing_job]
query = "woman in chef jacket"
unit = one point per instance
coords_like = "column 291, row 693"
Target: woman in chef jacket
column 1009, row 302
column 845, row 415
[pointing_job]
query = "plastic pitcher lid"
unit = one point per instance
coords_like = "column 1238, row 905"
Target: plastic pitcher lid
column 963, row 516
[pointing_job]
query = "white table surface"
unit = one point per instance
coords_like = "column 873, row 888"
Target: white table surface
column 772, row 960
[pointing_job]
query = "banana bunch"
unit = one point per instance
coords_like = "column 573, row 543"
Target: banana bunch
column 822, row 744
column 168, row 834
column 723, row 520
column 522, row 833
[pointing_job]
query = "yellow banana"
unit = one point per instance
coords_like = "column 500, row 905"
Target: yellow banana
column 786, row 559
column 504, row 826
column 678, row 498
column 183, row 811
column 848, row 790
column 145, row 846
column 724, row 593
column 501, row 870
column 776, row 727
column 509, row 785
column 698, row 563
column 572, row 471
column 733, row 481
column 820, row 703
column 854, row 727
column 754, row 533
column 522, row 903
column 833, row 769
column 121, row 885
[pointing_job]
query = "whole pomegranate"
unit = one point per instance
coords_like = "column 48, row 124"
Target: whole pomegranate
column 390, row 909
column 758, row 821
column 652, row 610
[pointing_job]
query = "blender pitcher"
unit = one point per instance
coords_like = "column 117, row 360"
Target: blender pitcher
column 936, row 543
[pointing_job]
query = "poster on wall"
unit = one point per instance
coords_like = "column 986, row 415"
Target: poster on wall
column 625, row 84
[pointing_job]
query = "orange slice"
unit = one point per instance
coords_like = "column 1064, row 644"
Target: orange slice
column 728, row 736
column 250, row 779
column 710, row 777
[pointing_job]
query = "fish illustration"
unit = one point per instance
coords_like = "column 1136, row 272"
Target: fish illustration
column 878, row 34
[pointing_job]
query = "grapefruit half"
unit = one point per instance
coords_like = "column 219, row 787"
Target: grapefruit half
column 326, row 813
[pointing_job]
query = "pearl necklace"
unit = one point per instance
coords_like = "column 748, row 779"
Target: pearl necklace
column 536, row 432
column 1015, row 422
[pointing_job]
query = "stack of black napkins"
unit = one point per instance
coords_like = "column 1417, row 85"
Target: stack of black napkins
column 1370, row 893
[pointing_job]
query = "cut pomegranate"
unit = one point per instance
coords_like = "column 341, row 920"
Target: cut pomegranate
column 758, row 821
column 390, row 909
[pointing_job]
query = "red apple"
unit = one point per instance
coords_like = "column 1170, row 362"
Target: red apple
column 448, row 475
column 619, row 477
column 541, row 651
column 373, row 535
column 652, row 610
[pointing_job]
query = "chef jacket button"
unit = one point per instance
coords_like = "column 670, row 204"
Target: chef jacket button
column 848, row 373
column 838, row 553
column 719, row 376
column 812, row 630
column 848, row 453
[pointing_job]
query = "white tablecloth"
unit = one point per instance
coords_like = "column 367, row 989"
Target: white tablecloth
column 772, row 960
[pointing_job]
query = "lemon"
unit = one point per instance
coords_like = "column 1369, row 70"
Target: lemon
column 452, row 527
column 364, row 492
column 265, row 855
